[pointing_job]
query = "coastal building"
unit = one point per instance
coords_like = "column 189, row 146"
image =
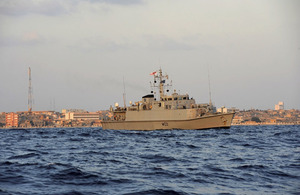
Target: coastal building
column 82, row 116
column 47, row 112
column 64, row 111
column 223, row 109
column 279, row 106
column 12, row 119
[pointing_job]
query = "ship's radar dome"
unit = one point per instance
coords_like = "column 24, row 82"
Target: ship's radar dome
column 116, row 104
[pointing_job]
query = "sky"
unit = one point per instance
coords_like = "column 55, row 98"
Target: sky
column 80, row 51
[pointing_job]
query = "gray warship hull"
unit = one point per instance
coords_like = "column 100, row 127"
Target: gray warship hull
column 204, row 122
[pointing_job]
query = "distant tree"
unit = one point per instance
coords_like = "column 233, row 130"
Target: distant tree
column 256, row 119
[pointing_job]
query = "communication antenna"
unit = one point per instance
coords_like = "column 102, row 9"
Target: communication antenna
column 54, row 104
column 124, row 94
column 30, row 96
column 50, row 105
column 210, row 103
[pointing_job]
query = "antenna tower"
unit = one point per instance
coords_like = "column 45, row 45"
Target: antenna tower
column 29, row 92
column 210, row 103
column 124, row 94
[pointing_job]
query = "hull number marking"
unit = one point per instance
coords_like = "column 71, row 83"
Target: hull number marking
column 164, row 124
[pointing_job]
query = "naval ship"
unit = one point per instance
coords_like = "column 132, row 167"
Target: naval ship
column 166, row 110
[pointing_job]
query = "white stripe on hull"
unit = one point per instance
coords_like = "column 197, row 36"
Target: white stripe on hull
column 206, row 122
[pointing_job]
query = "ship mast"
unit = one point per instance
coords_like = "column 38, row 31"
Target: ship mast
column 161, row 84
column 162, row 80
column 124, row 94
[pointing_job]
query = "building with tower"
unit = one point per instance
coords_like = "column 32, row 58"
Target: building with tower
column 279, row 106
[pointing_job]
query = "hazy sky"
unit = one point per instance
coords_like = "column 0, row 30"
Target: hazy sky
column 80, row 50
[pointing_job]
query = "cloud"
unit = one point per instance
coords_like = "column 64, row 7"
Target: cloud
column 166, row 43
column 29, row 38
column 20, row 7
column 119, row 2
column 52, row 7
column 99, row 44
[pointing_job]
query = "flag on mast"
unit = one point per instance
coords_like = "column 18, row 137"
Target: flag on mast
column 153, row 73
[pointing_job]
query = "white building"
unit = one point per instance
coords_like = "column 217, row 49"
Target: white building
column 82, row 116
column 64, row 111
column 223, row 109
column 279, row 106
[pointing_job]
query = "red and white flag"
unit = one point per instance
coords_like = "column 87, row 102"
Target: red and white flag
column 153, row 73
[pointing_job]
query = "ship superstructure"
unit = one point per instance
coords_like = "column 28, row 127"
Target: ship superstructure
column 162, row 110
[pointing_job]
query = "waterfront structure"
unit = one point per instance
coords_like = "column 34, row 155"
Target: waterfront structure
column 223, row 109
column 173, row 111
column 82, row 116
column 267, row 117
column 64, row 111
column 47, row 112
column 279, row 106
column 12, row 119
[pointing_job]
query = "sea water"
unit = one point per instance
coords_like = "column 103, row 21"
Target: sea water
column 239, row 160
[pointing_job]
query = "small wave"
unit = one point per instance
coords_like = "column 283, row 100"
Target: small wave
column 284, row 133
column 202, row 181
column 168, row 174
column 206, row 135
column 62, row 132
column 215, row 169
column 73, row 173
column 29, row 155
column 20, row 130
column 60, row 164
column 37, row 151
column 191, row 146
column 6, row 163
column 12, row 179
column 231, row 140
column 237, row 160
column 251, row 167
column 246, row 145
column 73, row 192
column 43, row 132
column 294, row 166
column 157, row 158
column 121, row 181
column 76, row 139
column 157, row 192
column 84, row 134
column 28, row 164
column 281, row 174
